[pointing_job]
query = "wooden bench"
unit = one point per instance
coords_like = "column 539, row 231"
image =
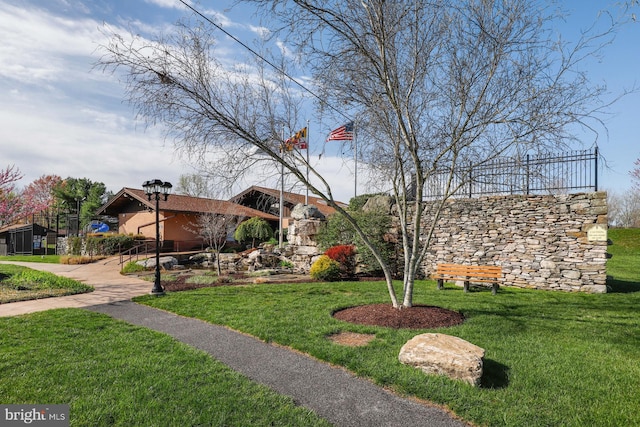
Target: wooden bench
column 469, row 274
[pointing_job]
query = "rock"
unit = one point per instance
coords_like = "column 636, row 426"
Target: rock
column 166, row 262
column 571, row 274
column 444, row 355
column 594, row 289
column 301, row 211
column 379, row 203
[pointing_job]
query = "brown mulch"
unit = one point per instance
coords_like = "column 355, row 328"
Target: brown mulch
column 416, row 317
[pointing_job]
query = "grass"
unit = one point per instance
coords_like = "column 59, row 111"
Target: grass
column 552, row 358
column 132, row 267
column 21, row 284
column 202, row 279
column 51, row 259
column 115, row 374
column 623, row 268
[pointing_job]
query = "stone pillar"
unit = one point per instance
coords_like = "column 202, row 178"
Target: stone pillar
column 305, row 224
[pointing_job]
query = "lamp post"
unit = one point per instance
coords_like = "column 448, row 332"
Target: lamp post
column 155, row 188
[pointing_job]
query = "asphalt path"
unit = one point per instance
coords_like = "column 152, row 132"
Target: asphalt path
column 332, row 392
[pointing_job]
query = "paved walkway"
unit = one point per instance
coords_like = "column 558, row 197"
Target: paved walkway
column 104, row 276
column 332, row 392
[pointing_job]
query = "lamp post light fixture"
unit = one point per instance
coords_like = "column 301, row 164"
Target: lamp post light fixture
column 156, row 188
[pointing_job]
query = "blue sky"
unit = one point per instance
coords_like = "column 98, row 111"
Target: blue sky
column 59, row 116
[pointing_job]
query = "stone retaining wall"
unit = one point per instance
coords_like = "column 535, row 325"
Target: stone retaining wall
column 540, row 241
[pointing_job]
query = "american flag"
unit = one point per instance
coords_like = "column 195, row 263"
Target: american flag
column 343, row 133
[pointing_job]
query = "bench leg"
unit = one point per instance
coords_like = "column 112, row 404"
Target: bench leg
column 494, row 289
column 440, row 284
column 466, row 286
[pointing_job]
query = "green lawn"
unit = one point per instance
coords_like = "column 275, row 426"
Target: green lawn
column 552, row 358
column 623, row 268
column 51, row 259
column 115, row 374
column 21, row 284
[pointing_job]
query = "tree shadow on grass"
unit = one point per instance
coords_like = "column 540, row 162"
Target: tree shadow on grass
column 495, row 375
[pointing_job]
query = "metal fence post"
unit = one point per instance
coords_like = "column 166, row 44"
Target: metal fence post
column 595, row 161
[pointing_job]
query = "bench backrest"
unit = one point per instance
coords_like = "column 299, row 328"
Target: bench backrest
column 485, row 271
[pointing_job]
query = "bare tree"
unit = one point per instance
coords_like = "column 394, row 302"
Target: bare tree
column 624, row 209
column 215, row 230
column 433, row 86
column 635, row 176
column 195, row 185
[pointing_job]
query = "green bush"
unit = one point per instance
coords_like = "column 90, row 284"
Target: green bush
column 375, row 223
column 286, row 264
column 324, row 268
column 108, row 245
column 113, row 243
column 132, row 267
column 75, row 245
column 253, row 229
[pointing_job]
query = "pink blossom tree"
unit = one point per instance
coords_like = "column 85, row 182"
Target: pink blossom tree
column 39, row 198
column 10, row 202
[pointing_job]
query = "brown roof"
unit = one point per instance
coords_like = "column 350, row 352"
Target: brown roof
column 182, row 203
column 291, row 198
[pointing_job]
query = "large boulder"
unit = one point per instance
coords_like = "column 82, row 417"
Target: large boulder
column 378, row 203
column 444, row 355
column 166, row 262
column 301, row 211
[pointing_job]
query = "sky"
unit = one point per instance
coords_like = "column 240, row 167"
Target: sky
column 61, row 116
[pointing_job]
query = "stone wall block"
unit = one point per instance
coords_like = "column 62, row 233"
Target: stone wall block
column 540, row 241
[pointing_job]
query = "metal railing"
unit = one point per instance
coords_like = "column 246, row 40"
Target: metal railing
column 147, row 247
column 542, row 174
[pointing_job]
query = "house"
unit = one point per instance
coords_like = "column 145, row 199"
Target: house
column 268, row 200
column 178, row 215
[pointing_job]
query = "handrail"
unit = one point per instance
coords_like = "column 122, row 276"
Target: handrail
column 148, row 245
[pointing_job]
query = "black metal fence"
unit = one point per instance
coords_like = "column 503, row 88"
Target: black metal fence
column 569, row 172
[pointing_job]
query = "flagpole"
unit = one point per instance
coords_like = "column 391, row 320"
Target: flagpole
column 306, row 197
column 281, row 208
column 355, row 172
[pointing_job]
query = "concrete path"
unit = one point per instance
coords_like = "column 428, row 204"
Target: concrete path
column 104, row 276
column 332, row 392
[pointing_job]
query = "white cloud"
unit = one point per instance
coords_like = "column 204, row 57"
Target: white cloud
column 35, row 44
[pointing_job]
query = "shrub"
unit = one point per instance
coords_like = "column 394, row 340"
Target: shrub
column 111, row 244
column 324, row 268
column 375, row 222
column 286, row 264
column 346, row 256
column 132, row 267
column 253, row 229
column 75, row 245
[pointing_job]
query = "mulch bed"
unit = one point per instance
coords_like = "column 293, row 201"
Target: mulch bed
column 416, row 317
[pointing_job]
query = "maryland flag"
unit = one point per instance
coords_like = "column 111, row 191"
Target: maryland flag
column 299, row 141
